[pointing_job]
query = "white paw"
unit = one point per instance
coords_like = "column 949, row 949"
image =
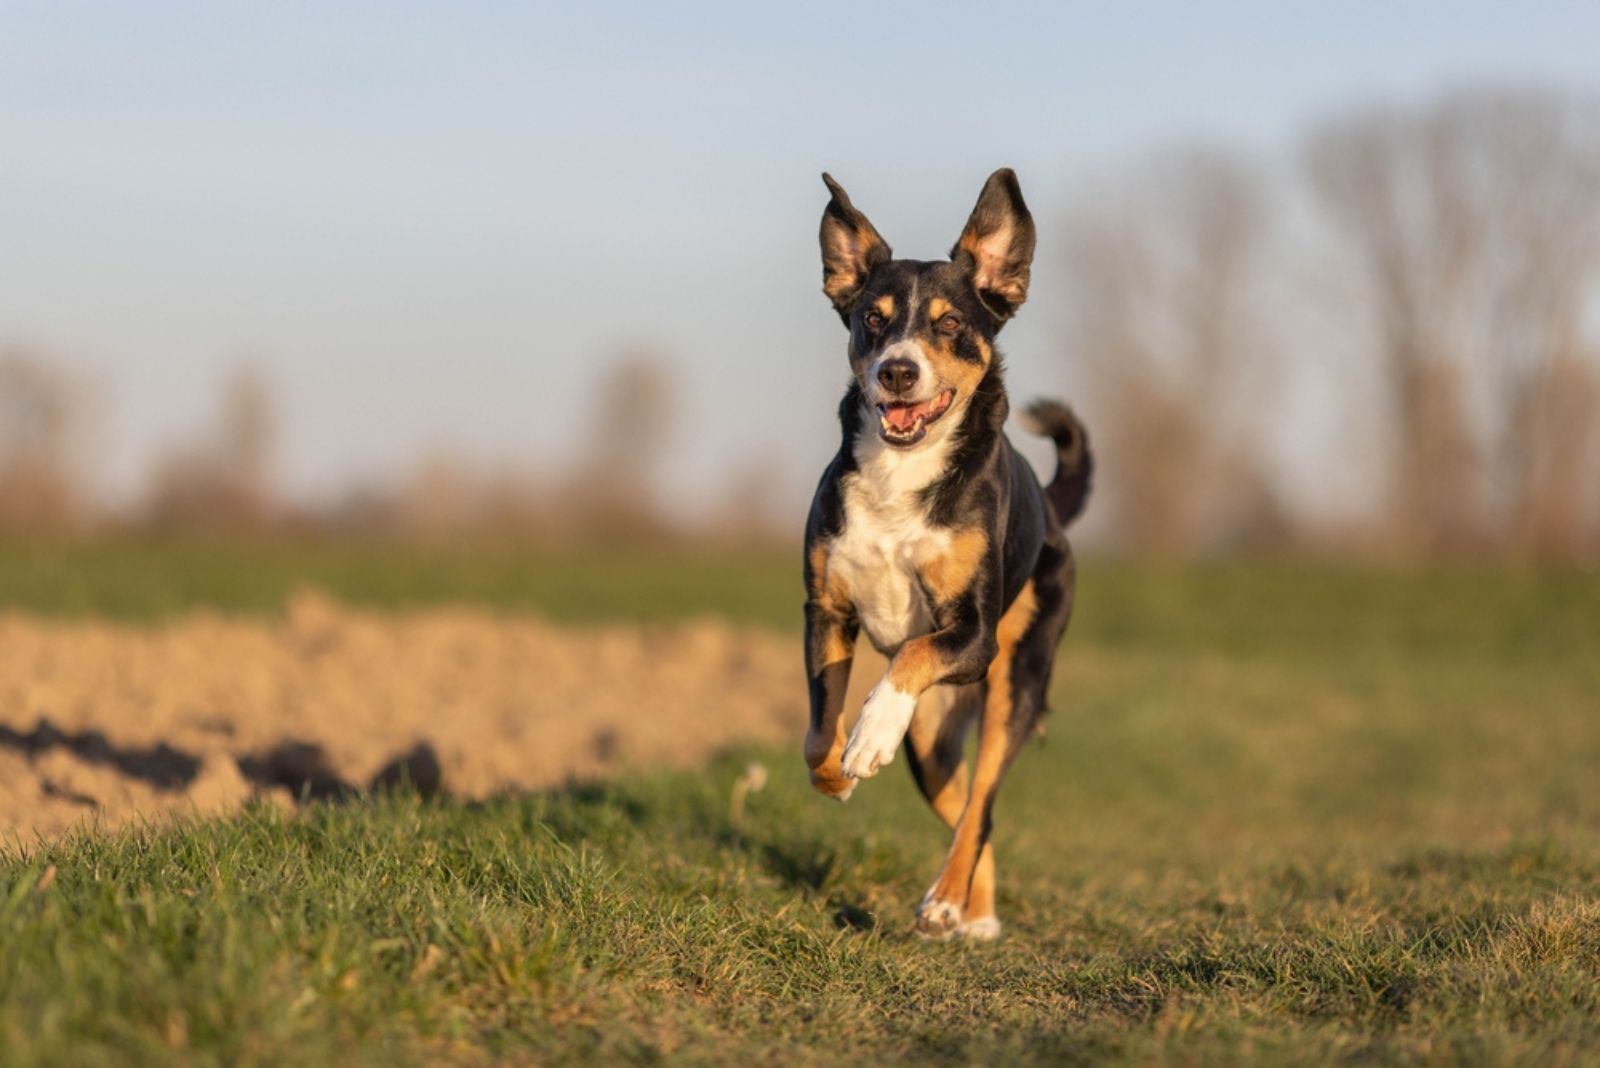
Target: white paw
column 938, row 919
column 884, row 719
column 983, row 929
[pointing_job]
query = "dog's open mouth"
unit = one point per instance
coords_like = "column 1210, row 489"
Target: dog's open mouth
column 905, row 424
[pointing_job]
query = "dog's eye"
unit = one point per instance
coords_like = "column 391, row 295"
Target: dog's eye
column 950, row 324
column 873, row 320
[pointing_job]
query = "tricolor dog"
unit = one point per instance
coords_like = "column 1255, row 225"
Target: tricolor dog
column 930, row 532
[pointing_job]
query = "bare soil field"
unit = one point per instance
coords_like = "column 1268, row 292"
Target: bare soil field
column 108, row 722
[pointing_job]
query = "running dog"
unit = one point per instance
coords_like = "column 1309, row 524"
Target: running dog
column 930, row 531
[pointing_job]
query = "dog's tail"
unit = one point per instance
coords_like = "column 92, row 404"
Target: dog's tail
column 1069, row 490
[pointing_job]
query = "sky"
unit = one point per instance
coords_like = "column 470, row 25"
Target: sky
column 432, row 223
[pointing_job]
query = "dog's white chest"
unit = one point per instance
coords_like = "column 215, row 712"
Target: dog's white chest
column 880, row 562
column 886, row 542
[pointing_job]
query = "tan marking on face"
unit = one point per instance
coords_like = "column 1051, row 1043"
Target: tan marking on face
column 938, row 308
column 953, row 372
column 948, row 575
column 885, row 306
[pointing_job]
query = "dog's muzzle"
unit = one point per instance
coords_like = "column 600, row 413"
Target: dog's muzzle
column 905, row 423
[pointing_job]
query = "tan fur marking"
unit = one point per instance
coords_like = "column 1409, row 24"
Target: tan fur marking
column 919, row 664
column 827, row 590
column 938, row 308
column 1015, row 623
column 961, row 374
column 818, row 559
column 971, row 242
column 940, row 714
column 948, row 804
column 839, row 283
column 916, row 666
column 826, row 778
column 885, row 306
column 948, row 575
column 989, row 252
column 980, row 899
column 843, row 263
column 949, row 786
column 822, row 758
column 824, row 747
column 958, row 881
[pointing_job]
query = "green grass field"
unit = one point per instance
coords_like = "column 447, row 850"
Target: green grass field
column 1284, row 814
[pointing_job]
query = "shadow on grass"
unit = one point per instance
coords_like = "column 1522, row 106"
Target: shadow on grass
column 805, row 865
column 301, row 767
column 697, row 821
column 159, row 765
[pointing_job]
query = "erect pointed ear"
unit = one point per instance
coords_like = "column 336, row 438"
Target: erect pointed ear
column 996, row 248
column 851, row 248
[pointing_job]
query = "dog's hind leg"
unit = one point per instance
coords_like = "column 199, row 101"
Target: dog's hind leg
column 935, row 750
column 962, row 898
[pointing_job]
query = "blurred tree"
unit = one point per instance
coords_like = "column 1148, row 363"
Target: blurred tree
column 223, row 480
column 1163, row 281
column 43, row 426
column 614, row 493
column 1474, row 223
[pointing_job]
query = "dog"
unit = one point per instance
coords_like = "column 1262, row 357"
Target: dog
column 932, row 533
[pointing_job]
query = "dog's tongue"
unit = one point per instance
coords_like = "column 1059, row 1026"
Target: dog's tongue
column 904, row 417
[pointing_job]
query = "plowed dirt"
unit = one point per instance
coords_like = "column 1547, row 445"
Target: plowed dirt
column 104, row 723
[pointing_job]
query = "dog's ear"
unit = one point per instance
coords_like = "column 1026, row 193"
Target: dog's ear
column 851, row 248
column 996, row 248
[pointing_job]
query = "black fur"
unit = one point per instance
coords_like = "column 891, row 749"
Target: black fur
column 1068, row 491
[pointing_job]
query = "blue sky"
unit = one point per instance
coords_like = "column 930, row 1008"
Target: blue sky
column 431, row 223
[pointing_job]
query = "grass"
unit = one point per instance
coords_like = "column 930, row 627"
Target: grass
column 151, row 579
column 1283, row 815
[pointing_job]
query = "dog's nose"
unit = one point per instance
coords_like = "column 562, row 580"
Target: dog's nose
column 898, row 375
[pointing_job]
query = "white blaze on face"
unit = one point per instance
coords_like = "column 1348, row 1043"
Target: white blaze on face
column 904, row 349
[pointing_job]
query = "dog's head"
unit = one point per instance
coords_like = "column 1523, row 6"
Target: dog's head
column 922, row 334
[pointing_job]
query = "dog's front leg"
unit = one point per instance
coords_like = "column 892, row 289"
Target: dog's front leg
column 956, row 655
column 885, row 718
column 830, row 647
